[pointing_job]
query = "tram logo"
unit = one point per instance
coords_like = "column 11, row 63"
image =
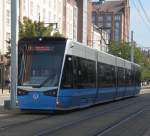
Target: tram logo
column 35, row 96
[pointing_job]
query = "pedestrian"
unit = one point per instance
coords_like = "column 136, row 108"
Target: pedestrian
column 7, row 83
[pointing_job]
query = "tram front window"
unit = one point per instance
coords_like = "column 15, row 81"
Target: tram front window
column 40, row 65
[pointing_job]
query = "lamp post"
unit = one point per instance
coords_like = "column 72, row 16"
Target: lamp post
column 101, row 33
column 50, row 24
column 55, row 30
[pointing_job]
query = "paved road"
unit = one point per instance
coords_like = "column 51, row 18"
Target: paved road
column 129, row 117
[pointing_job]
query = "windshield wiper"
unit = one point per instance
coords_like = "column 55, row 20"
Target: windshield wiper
column 44, row 82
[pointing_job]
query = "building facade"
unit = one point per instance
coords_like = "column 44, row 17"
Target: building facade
column 72, row 16
column 62, row 12
column 5, row 35
column 83, row 20
column 99, row 39
column 48, row 11
column 113, row 17
column 70, row 19
column 5, row 23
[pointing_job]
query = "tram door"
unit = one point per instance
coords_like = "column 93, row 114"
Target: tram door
column 106, row 82
column 84, row 80
column 120, row 85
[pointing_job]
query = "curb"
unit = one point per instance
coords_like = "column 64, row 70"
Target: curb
column 145, row 87
column 4, row 95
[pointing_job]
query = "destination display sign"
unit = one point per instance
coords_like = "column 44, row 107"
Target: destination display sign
column 41, row 48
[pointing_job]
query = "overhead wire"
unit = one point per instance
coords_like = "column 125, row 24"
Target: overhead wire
column 144, row 11
column 140, row 14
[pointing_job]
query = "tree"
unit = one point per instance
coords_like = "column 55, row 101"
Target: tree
column 28, row 28
column 123, row 50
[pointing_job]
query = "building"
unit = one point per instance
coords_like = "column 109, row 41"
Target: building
column 89, row 24
column 113, row 16
column 5, row 23
column 99, row 39
column 48, row 11
column 70, row 17
column 62, row 12
column 5, row 28
column 82, row 21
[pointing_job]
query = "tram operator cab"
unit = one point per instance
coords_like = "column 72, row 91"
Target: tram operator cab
column 59, row 74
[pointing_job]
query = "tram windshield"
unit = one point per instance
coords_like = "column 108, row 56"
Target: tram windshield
column 39, row 65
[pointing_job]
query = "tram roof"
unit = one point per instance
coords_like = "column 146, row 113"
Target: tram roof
column 40, row 39
column 105, row 53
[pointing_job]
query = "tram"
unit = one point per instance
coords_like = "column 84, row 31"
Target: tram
column 60, row 74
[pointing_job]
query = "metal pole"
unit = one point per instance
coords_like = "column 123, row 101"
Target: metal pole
column 132, row 47
column 13, row 52
column 2, row 78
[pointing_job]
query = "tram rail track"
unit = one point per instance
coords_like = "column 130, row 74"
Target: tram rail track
column 66, row 124
column 121, row 121
column 12, row 125
column 75, row 122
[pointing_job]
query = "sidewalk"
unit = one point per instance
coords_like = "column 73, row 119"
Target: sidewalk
column 5, row 96
column 145, row 87
column 5, row 93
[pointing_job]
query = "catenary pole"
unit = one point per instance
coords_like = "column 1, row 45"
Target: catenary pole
column 132, row 47
column 13, row 52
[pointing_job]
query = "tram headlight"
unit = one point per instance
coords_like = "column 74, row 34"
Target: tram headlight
column 51, row 93
column 21, row 92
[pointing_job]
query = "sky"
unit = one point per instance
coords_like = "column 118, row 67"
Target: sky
column 138, row 24
column 140, row 27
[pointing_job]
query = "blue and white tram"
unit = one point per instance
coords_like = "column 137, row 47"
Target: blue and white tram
column 59, row 74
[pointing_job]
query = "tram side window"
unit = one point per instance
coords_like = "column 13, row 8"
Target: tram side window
column 91, row 72
column 121, row 76
column 128, row 77
column 67, row 77
column 137, row 76
column 86, row 73
column 106, row 75
column 133, row 77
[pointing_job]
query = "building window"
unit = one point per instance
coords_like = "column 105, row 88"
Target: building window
column 54, row 4
column 117, row 25
column 49, row 14
column 24, row 5
column 38, row 11
column 117, row 18
column 108, row 18
column 8, row 17
column 100, row 18
column 31, row 8
column 75, row 14
column 108, row 24
column 44, row 1
column 44, row 15
column 8, row 2
column 117, row 34
column 50, row 3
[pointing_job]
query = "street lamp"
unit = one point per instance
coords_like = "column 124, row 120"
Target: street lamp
column 101, row 33
column 55, row 30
